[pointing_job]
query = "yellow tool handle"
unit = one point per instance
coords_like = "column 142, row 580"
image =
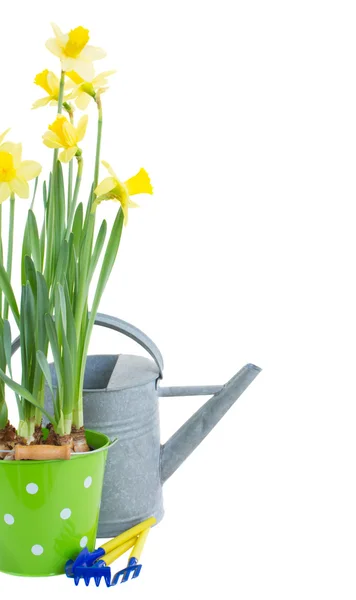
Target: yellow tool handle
column 119, row 551
column 127, row 535
column 138, row 547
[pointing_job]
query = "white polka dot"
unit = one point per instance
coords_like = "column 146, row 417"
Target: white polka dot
column 37, row 550
column 83, row 542
column 66, row 513
column 32, row 488
column 9, row 519
column 88, row 481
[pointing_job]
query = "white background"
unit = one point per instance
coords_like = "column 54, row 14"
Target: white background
column 244, row 115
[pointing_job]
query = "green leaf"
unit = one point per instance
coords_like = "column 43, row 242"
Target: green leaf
column 41, row 309
column 43, row 362
column 4, row 417
column 8, row 354
column 30, row 274
column 24, row 393
column 71, row 333
column 53, row 340
column 9, row 294
column 44, row 195
column 43, row 243
column 108, row 262
column 61, row 269
column 99, row 243
column 59, row 200
column 106, row 268
column 34, row 240
column 77, row 227
column 26, row 251
column 34, row 193
column 29, row 339
column 7, row 344
column 67, row 375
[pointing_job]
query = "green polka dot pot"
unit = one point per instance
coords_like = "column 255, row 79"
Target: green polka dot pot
column 49, row 510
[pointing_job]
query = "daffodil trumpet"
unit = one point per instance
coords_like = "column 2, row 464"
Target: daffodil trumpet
column 67, row 257
column 111, row 188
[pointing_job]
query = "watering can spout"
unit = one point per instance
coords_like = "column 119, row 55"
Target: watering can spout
column 189, row 436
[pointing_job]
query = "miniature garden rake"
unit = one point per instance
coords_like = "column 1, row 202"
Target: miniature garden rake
column 87, row 566
column 132, row 565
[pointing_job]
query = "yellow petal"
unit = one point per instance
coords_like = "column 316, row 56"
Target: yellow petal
column 70, row 134
column 41, row 79
column 133, row 204
column 82, row 101
column 15, row 150
column 83, row 68
column 90, row 53
column 51, row 140
column 139, row 184
column 53, row 83
column 53, row 46
column 5, row 191
column 110, row 169
column 100, row 79
column 3, row 135
column 82, row 127
column 41, row 102
column 20, row 187
column 59, row 33
column 67, row 155
column 105, row 186
column 29, row 169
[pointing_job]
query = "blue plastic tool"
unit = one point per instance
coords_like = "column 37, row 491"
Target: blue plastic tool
column 95, row 565
column 132, row 566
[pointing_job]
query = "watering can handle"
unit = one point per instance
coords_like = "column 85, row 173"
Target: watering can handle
column 135, row 334
column 122, row 327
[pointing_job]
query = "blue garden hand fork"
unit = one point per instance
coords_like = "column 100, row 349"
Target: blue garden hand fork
column 132, row 565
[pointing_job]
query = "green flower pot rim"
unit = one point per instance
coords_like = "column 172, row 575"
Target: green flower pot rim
column 107, row 443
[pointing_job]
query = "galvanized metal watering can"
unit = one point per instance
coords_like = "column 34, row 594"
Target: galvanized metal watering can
column 121, row 395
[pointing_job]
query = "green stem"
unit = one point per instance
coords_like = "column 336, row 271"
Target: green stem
column 1, row 256
column 70, row 173
column 10, row 246
column 98, row 141
column 70, row 188
column 61, row 93
column 75, row 196
column 51, row 250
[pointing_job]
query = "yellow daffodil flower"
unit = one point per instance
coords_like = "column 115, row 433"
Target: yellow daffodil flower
column 49, row 82
column 74, row 52
column 3, row 135
column 62, row 134
column 14, row 172
column 112, row 188
column 85, row 90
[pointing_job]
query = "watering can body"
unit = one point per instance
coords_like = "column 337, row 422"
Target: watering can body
column 121, row 399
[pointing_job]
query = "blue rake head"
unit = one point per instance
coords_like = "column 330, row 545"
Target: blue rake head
column 97, row 572
column 132, row 567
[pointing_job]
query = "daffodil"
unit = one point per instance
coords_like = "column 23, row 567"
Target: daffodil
column 62, row 134
column 86, row 89
column 111, row 188
column 74, row 52
column 3, row 135
column 49, row 82
column 14, row 172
